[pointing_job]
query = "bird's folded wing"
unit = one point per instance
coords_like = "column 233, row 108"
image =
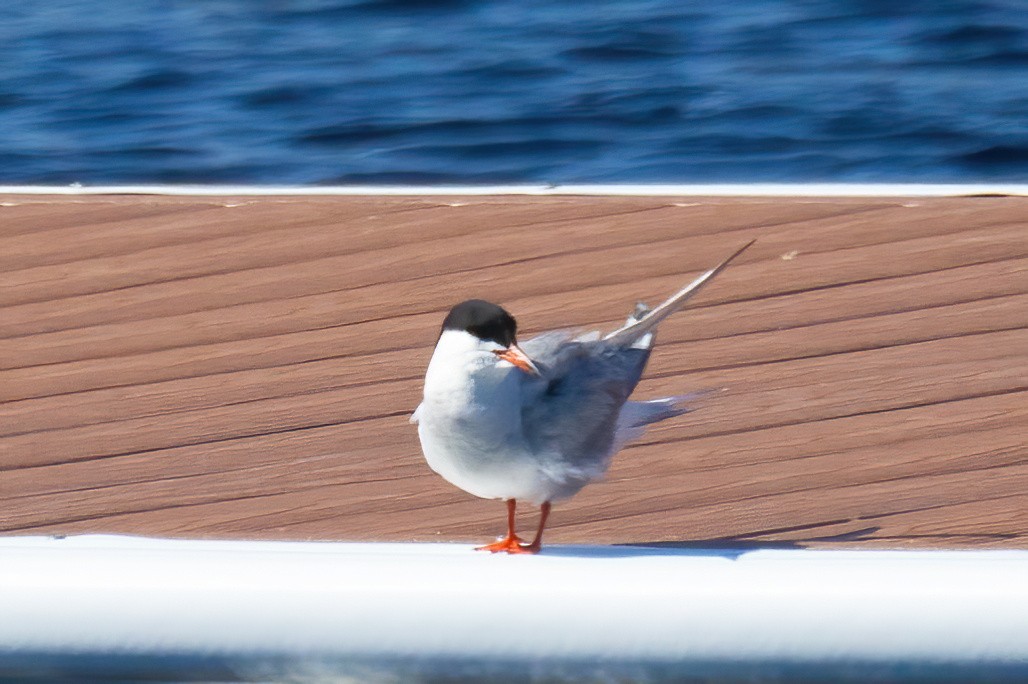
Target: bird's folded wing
column 573, row 408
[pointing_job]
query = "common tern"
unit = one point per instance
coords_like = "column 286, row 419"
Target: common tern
column 540, row 420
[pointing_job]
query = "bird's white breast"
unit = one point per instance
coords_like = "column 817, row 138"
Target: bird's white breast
column 469, row 422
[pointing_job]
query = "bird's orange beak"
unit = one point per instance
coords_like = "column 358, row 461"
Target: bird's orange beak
column 513, row 354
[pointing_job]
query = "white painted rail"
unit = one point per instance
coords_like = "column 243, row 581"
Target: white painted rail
column 97, row 605
column 621, row 190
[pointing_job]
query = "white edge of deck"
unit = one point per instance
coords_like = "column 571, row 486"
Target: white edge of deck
column 625, row 190
column 106, row 596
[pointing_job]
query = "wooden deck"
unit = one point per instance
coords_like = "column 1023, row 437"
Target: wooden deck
column 245, row 367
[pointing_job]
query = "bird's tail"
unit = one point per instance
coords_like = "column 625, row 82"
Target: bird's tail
column 636, row 415
column 636, row 328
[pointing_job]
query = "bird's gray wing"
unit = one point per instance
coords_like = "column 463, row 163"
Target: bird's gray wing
column 545, row 348
column 571, row 411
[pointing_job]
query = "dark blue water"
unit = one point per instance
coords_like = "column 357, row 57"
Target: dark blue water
column 431, row 91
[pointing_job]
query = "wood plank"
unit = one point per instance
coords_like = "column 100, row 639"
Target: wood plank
column 379, row 300
column 326, row 347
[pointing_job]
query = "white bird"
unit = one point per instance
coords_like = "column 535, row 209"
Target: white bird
column 540, row 421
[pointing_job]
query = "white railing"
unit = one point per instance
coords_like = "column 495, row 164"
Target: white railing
column 624, row 189
column 93, row 605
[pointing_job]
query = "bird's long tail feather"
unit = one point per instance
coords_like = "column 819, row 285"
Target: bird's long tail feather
column 636, row 415
column 629, row 333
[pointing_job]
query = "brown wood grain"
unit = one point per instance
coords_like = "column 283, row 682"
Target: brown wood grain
column 245, row 367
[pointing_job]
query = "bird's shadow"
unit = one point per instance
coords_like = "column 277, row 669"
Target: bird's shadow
column 729, row 548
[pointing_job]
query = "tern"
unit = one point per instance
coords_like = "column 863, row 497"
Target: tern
column 538, row 421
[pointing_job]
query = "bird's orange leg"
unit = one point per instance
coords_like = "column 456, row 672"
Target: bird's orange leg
column 512, row 543
column 537, row 543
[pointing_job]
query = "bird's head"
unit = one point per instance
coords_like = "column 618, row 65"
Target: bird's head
column 481, row 326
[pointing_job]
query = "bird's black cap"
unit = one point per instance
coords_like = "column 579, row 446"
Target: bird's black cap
column 484, row 320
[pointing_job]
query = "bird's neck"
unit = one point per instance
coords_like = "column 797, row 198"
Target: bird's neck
column 463, row 377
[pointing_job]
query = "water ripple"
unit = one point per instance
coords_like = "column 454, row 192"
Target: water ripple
column 425, row 91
